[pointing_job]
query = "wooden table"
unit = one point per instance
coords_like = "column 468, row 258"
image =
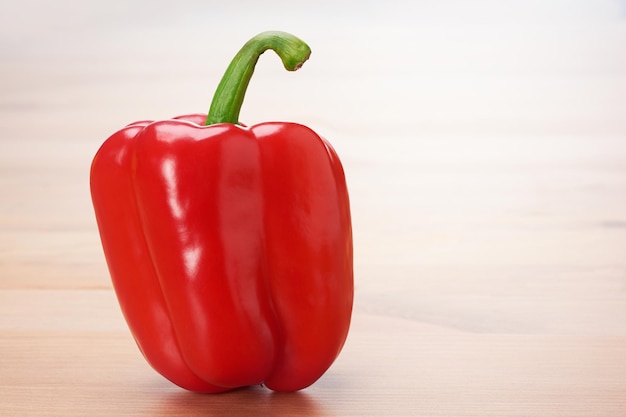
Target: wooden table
column 485, row 152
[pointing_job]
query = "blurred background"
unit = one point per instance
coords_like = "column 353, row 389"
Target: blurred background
column 484, row 142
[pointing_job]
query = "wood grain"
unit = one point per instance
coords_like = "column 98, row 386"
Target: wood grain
column 485, row 152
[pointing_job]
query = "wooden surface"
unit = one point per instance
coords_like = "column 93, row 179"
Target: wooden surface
column 485, row 152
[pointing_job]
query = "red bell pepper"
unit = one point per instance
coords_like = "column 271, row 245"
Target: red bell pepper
column 229, row 247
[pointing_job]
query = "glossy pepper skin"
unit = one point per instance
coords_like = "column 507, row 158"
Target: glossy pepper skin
column 229, row 247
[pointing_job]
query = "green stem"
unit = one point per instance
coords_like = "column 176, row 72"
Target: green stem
column 231, row 90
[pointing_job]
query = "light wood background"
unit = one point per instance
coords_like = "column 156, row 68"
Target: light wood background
column 485, row 150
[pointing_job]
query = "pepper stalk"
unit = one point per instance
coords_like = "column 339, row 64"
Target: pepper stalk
column 230, row 92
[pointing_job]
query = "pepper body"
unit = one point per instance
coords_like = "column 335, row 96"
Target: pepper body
column 229, row 248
